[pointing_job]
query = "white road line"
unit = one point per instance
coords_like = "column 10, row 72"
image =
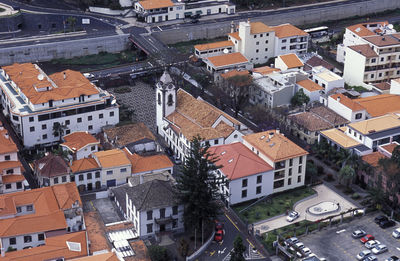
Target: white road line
column 340, row 231
column 159, row 28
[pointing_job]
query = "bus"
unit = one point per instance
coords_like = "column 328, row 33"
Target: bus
column 318, row 34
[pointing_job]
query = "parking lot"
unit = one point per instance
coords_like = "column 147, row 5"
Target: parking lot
column 337, row 244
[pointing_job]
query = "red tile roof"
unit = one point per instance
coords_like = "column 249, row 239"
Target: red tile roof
column 51, row 166
column 7, row 145
column 78, row 140
column 148, row 163
column 364, row 49
column 84, row 165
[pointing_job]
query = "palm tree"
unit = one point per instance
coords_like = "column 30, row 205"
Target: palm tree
column 347, row 174
column 58, row 130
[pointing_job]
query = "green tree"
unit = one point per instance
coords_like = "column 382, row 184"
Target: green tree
column 238, row 89
column 346, row 174
column 72, row 22
column 311, row 171
column 299, row 98
column 158, row 253
column 396, row 155
column 58, row 130
column 198, row 187
column 238, row 249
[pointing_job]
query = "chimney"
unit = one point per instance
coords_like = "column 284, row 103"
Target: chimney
column 65, row 75
column 271, row 134
column 338, row 99
column 248, row 20
column 278, row 131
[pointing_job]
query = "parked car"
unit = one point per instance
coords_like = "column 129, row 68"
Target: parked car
column 392, row 258
column 372, row 243
column 195, row 21
column 293, row 215
column 370, row 258
column 88, row 75
column 219, row 225
column 367, row 238
column 296, row 246
column 379, row 249
column 219, row 235
column 380, row 218
column 363, row 254
column 358, row 233
column 387, row 223
column 292, row 240
column 305, row 251
column 396, row 233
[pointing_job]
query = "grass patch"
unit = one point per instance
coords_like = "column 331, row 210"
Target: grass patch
column 187, row 47
column 103, row 58
column 274, row 206
column 359, row 89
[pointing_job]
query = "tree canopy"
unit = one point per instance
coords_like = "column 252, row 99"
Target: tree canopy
column 238, row 249
column 299, row 98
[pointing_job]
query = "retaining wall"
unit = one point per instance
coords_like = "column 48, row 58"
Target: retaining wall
column 308, row 16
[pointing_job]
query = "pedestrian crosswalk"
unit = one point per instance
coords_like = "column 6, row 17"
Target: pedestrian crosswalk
column 250, row 255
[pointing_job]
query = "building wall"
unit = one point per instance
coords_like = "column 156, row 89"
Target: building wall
column 86, row 151
column 294, row 44
column 13, row 188
column 117, row 174
column 328, row 85
column 20, row 244
column 344, row 111
column 46, row 182
column 354, row 67
column 314, row 95
column 283, row 96
column 82, row 179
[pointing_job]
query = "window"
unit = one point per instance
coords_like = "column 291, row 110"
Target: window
column 109, row 172
column 382, row 59
column 290, row 172
column 175, row 223
column 90, row 127
column 81, row 177
column 162, row 212
column 258, row 190
column 149, row 228
column 372, row 76
column 13, row 241
column 284, row 41
column 111, row 114
column 266, row 41
column 244, row 183
column 283, row 48
column 32, row 129
column 64, row 179
column 175, row 210
column 259, row 179
column 266, row 49
column 67, row 131
column 56, row 180
column 380, row 75
column 358, row 116
column 44, row 126
column 289, row 182
column 29, row 208
column 257, row 50
column 255, row 36
column 44, row 136
column 67, row 122
column 89, row 176
column 10, row 171
column 19, row 209
column 31, row 119
column 97, row 174
column 149, row 215
column 79, row 120
column 244, row 193
column 298, row 179
column 300, row 160
column 291, row 162
column 90, row 117
column 101, row 116
column 8, row 186
column 7, row 157
column 216, row 142
column 92, row 148
column 19, row 185
column 300, row 169
column 257, row 43
column 123, row 170
column 41, row 237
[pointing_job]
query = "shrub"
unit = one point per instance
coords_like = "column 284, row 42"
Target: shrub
column 329, row 178
column 158, row 253
column 348, row 191
column 320, row 170
column 355, row 196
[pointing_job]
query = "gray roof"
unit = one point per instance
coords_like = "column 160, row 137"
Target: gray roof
column 150, row 195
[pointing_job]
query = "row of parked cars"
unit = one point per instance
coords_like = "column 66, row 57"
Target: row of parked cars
column 374, row 247
column 297, row 248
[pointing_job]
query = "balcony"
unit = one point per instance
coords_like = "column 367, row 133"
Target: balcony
column 164, row 220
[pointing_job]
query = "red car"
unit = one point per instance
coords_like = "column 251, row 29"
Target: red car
column 219, row 235
column 218, row 225
column 367, row 238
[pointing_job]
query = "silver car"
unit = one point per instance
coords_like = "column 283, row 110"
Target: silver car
column 293, row 215
column 372, row 243
column 379, row 249
column 363, row 254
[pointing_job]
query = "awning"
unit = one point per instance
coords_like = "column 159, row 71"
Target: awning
column 199, row 12
column 188, row 13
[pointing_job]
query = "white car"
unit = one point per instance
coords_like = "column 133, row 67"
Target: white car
column 297, row 246
column 363, row 254
column 379, row 249
column 89, row 75
column 305, row 251
column 372, row 243
column 293, row 215
column 396, row 233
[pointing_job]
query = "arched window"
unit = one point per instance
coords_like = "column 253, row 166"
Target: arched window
column 170, row 100
column 159, row 99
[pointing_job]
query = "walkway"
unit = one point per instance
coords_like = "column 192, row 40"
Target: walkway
column 324, row 193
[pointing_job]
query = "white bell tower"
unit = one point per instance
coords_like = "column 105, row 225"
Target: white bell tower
column 165, row 99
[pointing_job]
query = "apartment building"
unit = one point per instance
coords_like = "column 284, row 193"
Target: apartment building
column 363, row 137
column 12, row 178
column 86, row 173
column 229, row 61
column 258, row 42
column 288, row 61
column 51, row 170
column 326, row 79
column 151, row 206
column 154, row 11
column 286, row 158
column 30, row 218
column 151, row 164
column 80, row 144
column 37, row 103
column 249, row 177
column 180, row 117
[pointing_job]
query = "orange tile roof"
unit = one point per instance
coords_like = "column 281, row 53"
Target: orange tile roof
column 48, row 203
column 110, row 256
column 233, row 73
column 9, row 164
column 346, row 101
column 235, row 35
column 373, row 158
column 154, row 4
column 266, row 70
column 360, row 30
column 364, row 49
column 390, row 147
column 309, row 85
column 259, row 27
column 277, row 148
column 112, row 158
column 291, row 60
column 7, row 145
column 148, row 163
column 195, row 117
column 84, row 165
column 238, row 161
column 12, row 178
column 78, row 140
column 96, row 232
column 380, row 105
column 26, row 77
column 340, row 138
column 227, row 59
column 385, row 40
column 55, row 247
column 376, row 124
column 209, row 46
column 288, row 30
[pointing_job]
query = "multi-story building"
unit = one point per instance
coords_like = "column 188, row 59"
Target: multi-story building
column 248, row 176
column 180, row 117
column 51, row 170
column 11, row 170
column 229, row 61
column 287, row 159
column 326, row 78
column 80, row 144
column 151, row 206
column 153, row 11
column 38, row 104
column 151, row 164
column 288, row 62
column 29, row 218
column 290, row 39
column 87, row 174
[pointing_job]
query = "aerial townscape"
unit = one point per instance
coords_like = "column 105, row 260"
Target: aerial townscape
column 199, row 130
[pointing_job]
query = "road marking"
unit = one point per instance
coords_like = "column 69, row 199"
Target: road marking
column 232, row 222
column 340, row 231
column 398, row 248
column 91, row 203
column 159, row 28
column 212, row 253
column 250, row 243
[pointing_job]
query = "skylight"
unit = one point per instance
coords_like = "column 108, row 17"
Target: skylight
column 229, row 161
column 222, row 153
column 73, row 246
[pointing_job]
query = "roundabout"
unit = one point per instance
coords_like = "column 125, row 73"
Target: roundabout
column 323, row 208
